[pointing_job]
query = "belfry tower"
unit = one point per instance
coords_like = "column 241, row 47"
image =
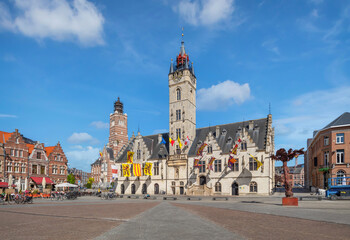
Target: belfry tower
column 182, row 102
column 118, row 128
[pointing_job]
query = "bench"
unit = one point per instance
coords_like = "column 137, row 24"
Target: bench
column 169, row 198
column 312, row 198
column 220, row 198
column 194, row 198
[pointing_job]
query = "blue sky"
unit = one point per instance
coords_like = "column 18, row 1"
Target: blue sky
column 64, row 63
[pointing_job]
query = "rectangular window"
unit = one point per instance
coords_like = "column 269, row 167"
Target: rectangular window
column 9, row 167
column 210, row 149
column 55, row 158
column 12, row 152
column 326, row 141
column 326, row 158
column 42, row 170
column 315, row 161
column 156, row 169
column 23, row 168
column 235, row 167
column 62, row 170
column 16, row 152
column 139, row 154
column 178, row 149
column 34, row 169
column 178, row 115
column 202, row 166
column 178, row 133
column 217, row 165
column 38, row 155
column 340, row 138
column 16, row 167
column 21, row 153
column 243, row 146
column 340, row 156
column 253, row 165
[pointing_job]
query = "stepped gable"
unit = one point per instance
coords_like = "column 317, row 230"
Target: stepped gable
column 124, row 151
column 343, row 119
column 229, row 133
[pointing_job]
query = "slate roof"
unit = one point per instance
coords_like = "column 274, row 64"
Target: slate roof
column 229, row 133
column 343, row 119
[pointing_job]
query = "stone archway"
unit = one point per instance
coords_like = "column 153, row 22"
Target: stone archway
column 235, row 189
column 122, row 189
column 202, row 180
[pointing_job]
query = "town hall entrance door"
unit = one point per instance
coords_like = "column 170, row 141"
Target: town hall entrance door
column 202, row 180
column 235, row 189
column 144, row 188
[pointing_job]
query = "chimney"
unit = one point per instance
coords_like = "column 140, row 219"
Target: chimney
column 159, row 138
column 251, row 125
column 217, row 131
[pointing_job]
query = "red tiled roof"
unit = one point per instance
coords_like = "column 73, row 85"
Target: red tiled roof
column 39, row 180
column 4, row 184
column 30, row 148
column 4, row 135
column 49, row 150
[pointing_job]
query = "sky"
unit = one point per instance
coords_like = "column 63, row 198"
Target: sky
column 63, row 63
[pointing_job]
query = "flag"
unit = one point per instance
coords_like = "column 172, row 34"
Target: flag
column 148, row 168
column 126, row 170
column 200, row 149
column 130, row 158
column 136, row 169
column 231, row 161
column 101, row 154
column 187, row 141
column 163, row 141
column 196, row 163
column 259, row 163
column 210, row 164
column 179, row 141
column 114, row 171
column 234, row 150
column 171, row 141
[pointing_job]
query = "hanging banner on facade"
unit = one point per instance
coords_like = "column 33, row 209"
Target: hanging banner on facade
column 148, row 169
column 179, row 141
column 231, row 161
column 114, row 171
column 171, row 141
column 259, row 163
column 210, row 164
column 234, row 150
column 136, row 169
column 196, row 163
column 200, row 149
column 130, row 157
column 126, row 170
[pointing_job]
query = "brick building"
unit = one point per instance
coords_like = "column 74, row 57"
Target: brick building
column 296, row 175
column 81, row 177
column 328, row 153
column 26, row 162
column 96, row 172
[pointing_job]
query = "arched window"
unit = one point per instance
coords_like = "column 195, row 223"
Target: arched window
column 341, row 177
column 253, row 187
column 144, row 188
column 217, row 187
column 178, row 94
column 133, row 189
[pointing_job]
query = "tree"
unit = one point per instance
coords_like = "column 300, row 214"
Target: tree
column 285, row 157
column 89, row 183
column 71, row 178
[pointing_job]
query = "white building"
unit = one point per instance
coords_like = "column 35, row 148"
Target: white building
column 173, row 167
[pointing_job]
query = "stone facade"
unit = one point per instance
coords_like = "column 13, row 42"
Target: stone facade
column 328, row 153
column 173, row 167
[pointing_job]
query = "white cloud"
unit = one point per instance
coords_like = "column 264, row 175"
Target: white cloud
column 82, row 158
column 7, row 116
column 309, row 112
column 205, row 12
column 100, row 124
column 77, row 138
column 222, row 95
column 271, row 46
column 60, row 20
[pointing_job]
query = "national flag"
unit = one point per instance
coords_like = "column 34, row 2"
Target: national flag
column 148, row 168
column 163, row 141
column 126, row 170
column 187, row 141
column 101, row 154
column 259, row 163
column 200, row 149
column 231, row 161
column 210, row 164
column 179, row 141
column 114, row 171
column 234, row 150
column 130, row 158
column 171, row 141
column 196, row 163
column 136, row 169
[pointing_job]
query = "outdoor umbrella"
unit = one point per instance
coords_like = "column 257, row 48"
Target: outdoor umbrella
column 10, row 180
column 26, row 184
column 19, row 184
column 43, row 183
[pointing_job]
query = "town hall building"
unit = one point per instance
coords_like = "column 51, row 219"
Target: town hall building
column 198, row 164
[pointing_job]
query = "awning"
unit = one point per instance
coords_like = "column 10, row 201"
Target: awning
column 39, row 180
column 4, row 184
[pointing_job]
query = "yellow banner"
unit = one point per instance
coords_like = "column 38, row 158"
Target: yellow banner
column 148, row 168
column 179, row 141
column 259, row 163
column 130, row 158
column 126, row 170
column 136, row 169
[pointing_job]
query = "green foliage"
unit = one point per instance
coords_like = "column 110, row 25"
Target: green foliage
column 91, row 180
column 88, row 185
column 71, row 178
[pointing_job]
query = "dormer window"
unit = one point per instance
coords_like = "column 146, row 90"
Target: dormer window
column 224, row 131
column 210, row 149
